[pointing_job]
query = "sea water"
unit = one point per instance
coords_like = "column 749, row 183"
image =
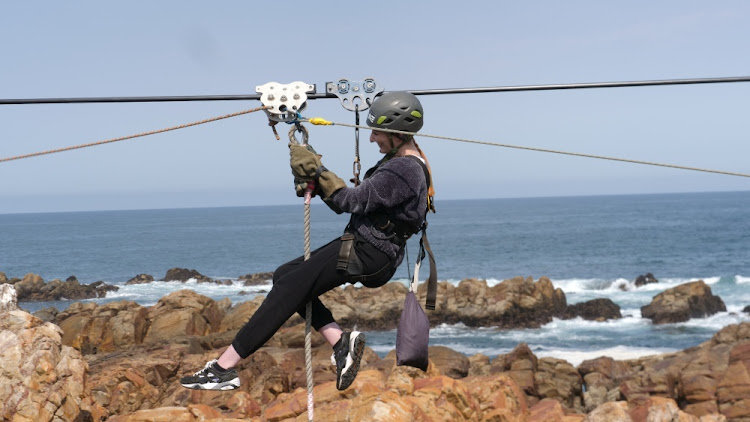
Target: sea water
column 590, row 247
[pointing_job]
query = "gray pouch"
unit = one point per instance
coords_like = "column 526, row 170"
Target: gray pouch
column 413, row 334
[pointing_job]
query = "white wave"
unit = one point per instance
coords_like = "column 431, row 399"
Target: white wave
column 600, row 286
column 579, row 285
column 150, row 293
column 576, row 357
column 492, row 282
column 741, row 280
column 715, row 322
column 579, row 323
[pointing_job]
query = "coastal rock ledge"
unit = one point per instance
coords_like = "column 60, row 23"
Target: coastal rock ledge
column 679, row 304
column 139, row 381
column 33, row 288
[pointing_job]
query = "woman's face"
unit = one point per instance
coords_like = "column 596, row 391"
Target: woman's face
column 381, row 138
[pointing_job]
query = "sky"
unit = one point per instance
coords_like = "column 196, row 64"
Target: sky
column 172, row 48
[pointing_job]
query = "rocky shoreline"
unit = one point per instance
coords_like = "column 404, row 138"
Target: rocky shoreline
column 515, row 303
column 122, row 362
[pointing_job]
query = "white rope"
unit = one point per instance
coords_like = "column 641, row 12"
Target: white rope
column 308, row 326
column 308, row 307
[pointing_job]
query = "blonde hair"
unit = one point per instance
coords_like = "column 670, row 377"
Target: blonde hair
column 430, row 188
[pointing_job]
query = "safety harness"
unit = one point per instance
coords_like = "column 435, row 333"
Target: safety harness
column 397, row 232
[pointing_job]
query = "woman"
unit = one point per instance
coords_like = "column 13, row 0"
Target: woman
column 387, row 207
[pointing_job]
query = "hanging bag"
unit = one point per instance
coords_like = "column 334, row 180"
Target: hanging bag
column 413, row 335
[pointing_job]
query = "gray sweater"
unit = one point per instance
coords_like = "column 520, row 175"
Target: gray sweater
column 397, row 187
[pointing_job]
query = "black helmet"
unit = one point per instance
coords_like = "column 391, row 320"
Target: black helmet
column 398, row 110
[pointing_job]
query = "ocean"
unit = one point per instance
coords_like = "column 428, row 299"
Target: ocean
column 590, row 247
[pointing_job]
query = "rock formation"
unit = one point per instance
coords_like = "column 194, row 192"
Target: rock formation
column 33, row 288
column 642, row 280
column 134, row 356
column 140, row 279
column 594, row 310
column 42, row 380
column 256, row 279
column 183, row 275
column 679, row 304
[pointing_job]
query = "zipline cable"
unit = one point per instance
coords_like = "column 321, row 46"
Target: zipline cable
column 316, row 96
column 153, row 132
column 320, row 121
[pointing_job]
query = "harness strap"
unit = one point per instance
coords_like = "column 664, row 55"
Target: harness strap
column 424, row 244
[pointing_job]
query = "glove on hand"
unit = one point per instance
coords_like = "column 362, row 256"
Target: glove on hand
column 304, row 161
column 306, row 166
column 300, row 185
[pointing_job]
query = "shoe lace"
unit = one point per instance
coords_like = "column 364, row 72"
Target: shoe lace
column 208, row 366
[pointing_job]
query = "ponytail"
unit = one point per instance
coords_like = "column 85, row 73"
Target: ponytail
column 430, row 187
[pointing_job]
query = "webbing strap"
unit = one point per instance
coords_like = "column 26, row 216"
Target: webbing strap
column 424, row 244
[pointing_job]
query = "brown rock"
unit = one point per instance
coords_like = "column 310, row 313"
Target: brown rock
column 602, row 377
column 183, row 275
column 514, row 303
column 27, row 287
column 479, row 365
column 557, row 379
column 451, row 394
column 238, row 315
column 91, row 328
column 733, row 390
column 520, row 364
column 47, row 314
column 140, row 279
column 547, row 410
column 42, row 379
column 679, row 304
column 610, row 412
column 642, row 280
column 256, row 279
column 594, row 310
column 183, row 312
column 449, row 362
column 368, row 309
column 499, row 398
column 33, row 288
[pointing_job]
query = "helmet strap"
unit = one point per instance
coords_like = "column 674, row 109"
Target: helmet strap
column 394, row 149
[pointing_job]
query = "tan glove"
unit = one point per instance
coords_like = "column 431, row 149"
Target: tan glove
column 306, row 166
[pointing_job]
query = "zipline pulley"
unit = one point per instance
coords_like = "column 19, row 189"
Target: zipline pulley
column 286, row 102
column 355, row 96
column 355, row 93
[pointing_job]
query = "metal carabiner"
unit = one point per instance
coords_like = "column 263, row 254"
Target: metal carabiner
column 301, row 129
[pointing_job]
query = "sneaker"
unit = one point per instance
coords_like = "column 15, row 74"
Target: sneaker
column 347, row 354
column 209, row 378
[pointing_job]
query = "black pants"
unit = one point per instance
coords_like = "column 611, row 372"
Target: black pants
column 298, row 282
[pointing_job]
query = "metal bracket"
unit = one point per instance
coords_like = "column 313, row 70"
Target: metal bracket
column 355, row 93
column 286, row 101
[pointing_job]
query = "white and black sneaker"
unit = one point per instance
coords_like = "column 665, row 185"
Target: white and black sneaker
column 347, row 353
column 211, row 377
